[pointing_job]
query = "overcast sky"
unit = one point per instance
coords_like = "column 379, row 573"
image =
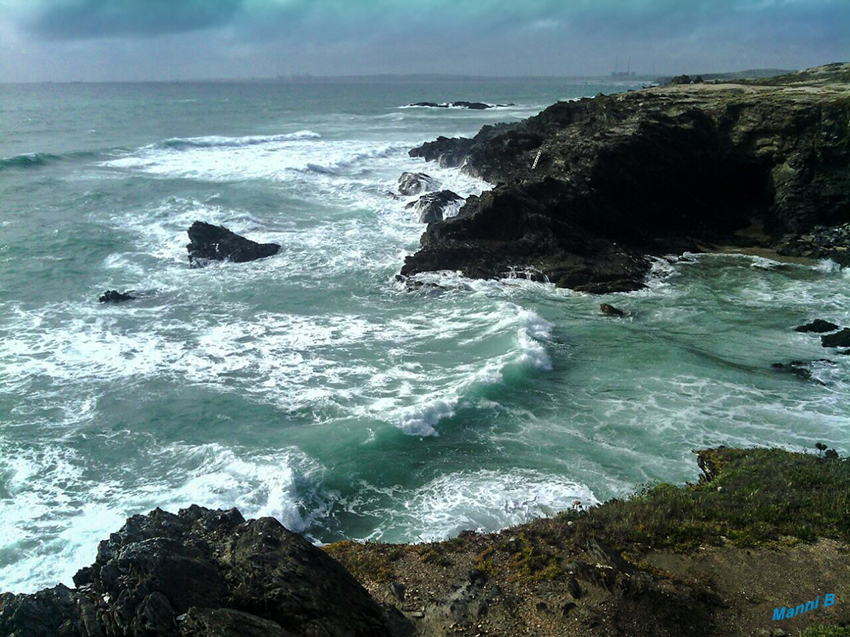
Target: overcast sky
column 186, row 39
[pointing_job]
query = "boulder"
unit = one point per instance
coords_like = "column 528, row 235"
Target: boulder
column 818, row 326
column 114, row 296
column 217, row 243
column 202, row 572
column 410, row 184
column 432, row 205
column 839, row 339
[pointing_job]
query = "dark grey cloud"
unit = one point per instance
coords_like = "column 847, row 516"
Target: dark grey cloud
column 81, row 19
column 168, row 39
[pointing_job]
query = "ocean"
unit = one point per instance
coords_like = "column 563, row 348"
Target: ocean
column 312, row 386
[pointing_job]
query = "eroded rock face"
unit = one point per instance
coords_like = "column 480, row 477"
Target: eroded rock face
column 217, row 243
column 650, row 172
column 432, row 206
column 201, row 572
column 410, row 184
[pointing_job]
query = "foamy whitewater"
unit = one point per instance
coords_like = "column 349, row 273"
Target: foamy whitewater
column 313, row 387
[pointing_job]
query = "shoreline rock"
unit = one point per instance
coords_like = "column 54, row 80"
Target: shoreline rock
column 200, row 573
column 410, row 184
column 431, row 206
column 587, row 189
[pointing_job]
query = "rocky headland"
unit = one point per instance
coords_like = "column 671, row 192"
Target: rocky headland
column 761, row 529
column 587, row 190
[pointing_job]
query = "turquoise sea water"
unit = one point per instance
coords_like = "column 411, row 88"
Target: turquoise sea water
column 311, row 386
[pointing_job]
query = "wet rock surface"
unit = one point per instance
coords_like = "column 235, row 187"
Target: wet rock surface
column 819, row 243
column 432, row 206
column 610, row 310
column 217, row 243
column 800, row 369
column 410, row 184
column 114, row 296
column 201, row 572
column 839, row 339
column 475, row 106
column 818, row 326
column 650, row 172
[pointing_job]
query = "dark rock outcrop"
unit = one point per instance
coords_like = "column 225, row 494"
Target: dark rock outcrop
column 839, row 339
column 432, row 205
column 650, row 172
column 818, row 326
column 217, row 243
column 201, row 573
column 410, row 184
column 114, row 296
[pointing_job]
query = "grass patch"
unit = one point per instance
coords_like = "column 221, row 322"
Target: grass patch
column 826, row 631
column 367, row 562
column 757, row 498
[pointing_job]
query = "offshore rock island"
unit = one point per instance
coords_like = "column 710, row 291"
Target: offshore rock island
column 586, row 190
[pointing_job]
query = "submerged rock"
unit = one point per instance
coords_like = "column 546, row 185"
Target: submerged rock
column 114, row 296
column 432, row 205
column 800, row 369
column 818, row 326
column 610, row 310
column 587, row 189
column 410, row 184
column 201, row 573
column 217, row 243
column 840, row 339
column 475, row 106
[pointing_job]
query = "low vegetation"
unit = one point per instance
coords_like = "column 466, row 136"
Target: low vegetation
column 756, row 497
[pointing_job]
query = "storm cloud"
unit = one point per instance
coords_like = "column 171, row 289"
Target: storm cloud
column 172, row 39
column 81, row 19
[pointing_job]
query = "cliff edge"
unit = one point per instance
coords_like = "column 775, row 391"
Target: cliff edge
column 762, row 529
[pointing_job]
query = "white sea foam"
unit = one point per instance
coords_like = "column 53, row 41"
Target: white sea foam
column 216, row 141
column 421, row 417
column 483, row 500
column 237, row 159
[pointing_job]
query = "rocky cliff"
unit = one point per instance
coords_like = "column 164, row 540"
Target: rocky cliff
column 202, row 573
column 649, row 172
